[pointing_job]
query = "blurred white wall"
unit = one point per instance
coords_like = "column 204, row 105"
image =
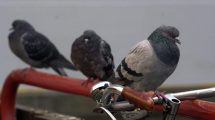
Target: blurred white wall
column 122, row 23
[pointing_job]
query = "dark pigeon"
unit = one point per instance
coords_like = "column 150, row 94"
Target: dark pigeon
column 35, row 49
column 92, row 56
column 148, row 64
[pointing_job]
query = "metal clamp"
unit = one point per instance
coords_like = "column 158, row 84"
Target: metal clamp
column 171, row 105
column 98, row 89
column 102, row 93
column 111, row 94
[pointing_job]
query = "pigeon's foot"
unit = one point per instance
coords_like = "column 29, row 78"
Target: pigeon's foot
column 28, row 69
column 88, row 81
column 31, row 68
column 160, row 95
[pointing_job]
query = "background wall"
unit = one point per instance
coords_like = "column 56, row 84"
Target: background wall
column 122, row 23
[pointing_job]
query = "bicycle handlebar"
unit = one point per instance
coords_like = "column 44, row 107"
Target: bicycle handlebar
column 199, row 109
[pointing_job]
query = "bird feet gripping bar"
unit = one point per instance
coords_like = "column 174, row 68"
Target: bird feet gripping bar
column 170, row 104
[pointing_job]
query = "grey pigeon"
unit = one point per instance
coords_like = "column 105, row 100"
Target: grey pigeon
column 92, row 56
column 35, row 49
column 149, row 63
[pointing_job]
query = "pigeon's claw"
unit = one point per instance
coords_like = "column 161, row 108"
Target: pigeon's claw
column 88, row 81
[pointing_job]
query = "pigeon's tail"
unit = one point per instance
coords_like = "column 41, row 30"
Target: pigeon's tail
column 109, row 76
column 62, row 62
column 108, row 73
column 60, row 71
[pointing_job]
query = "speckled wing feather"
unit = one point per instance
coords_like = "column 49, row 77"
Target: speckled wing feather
column 106, row 52
column 38, row 47
column 108, row 59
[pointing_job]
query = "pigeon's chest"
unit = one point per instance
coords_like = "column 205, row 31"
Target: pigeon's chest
column 154, row 74
column 85, row 51
column 14, row 42
column 16, row 46
column 85, row 56
column 152, row 66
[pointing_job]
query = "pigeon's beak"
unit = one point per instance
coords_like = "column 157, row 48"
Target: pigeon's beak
column 11, row 29
column 177, row 40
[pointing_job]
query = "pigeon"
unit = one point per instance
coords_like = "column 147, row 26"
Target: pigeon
column 35, row 49
column 148, row 64
column 92, row 56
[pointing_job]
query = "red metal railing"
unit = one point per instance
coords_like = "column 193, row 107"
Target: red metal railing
column 197, row 109
column 39, row 79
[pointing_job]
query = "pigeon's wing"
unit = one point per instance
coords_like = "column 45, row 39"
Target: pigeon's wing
column 106, row 61
column 106, row 53
column 139, row 56
column 135, row 63
column 38, row 47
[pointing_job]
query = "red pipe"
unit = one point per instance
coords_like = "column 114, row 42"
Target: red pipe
column 197, row 109
column 39, row 79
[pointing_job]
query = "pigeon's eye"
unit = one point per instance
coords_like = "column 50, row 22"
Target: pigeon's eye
column 14, row 25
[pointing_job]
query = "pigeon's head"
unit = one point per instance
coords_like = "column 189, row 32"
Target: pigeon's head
column 90, row 35
column 89, row 32
column 21, row 25
column 170, row 32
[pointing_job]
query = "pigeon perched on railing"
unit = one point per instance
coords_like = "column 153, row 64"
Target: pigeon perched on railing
column 92, row 56
column 35, row 49
column 150, row 62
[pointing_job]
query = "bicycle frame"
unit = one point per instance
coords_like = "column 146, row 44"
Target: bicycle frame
column 195, row 108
